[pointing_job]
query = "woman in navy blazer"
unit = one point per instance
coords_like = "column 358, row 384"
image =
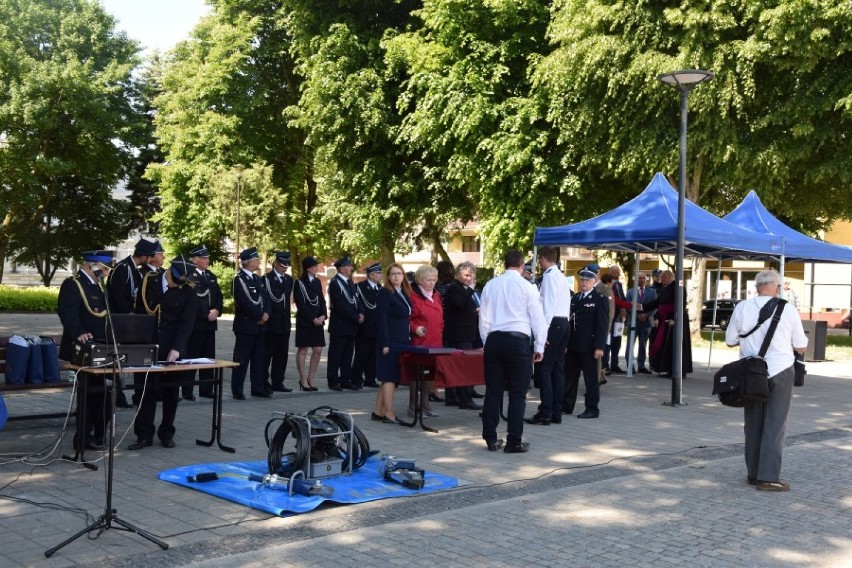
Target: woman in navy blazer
column 394, row 312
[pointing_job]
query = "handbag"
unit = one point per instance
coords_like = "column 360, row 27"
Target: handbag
column 746, row 381
column 799, row 368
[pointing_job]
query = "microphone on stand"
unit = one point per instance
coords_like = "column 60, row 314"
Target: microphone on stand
column 98, row 274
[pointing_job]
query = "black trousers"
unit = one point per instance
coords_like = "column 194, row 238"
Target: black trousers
column 277, row 354
column 364, row 363
column 508, row 363
column 202, row 343
column 98, row 411
column 341, row 348
column 249, row 350
column 551, row 369
column 575, row 363
column 163, row 386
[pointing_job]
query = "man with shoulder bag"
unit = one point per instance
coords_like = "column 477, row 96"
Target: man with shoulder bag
column 766, row 421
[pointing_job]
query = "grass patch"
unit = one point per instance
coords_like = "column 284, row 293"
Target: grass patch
column 838, row 347
column 28, row 298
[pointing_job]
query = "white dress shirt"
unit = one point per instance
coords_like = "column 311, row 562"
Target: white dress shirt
column 555, row 294
column 788, row 335
column 509, row 303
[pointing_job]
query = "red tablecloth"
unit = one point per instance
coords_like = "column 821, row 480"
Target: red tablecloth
column 457, row 369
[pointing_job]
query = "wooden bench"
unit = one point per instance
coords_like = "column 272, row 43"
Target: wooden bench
column 6, row 387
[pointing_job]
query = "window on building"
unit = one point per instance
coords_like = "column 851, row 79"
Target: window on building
column 470, row 243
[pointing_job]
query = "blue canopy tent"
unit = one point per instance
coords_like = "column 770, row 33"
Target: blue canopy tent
column 648, row 223
column 795, row 246
column 752, row 215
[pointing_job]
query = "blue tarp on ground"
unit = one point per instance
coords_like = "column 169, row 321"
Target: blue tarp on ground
column 752, row 215
column 648, row 223
column 363, row 485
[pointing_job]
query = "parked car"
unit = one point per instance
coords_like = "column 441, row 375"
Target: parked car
column 723, row 313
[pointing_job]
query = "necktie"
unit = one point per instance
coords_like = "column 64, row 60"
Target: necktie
column 641, row 295
column 475, row 298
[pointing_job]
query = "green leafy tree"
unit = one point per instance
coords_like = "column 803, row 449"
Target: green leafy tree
column 380, row 193
column 775, row 118
column 468, row 107
column 144, row 201
column 65, row 117
column 223, row 101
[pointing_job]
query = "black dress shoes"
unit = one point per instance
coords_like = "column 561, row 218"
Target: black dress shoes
column 435, row 398
column 94, row 447
column 239, row 396
column 617, row 370
column 588, row 414
column 539, row 419
column 371, row 384
column 281, row 388
column 139, row 444
column 261, row 394
column 189, row 397
column 168, row 443
column 556, row 420
column 471, row 406
column 474, row 394
column 566, row 410
column 349, row 386
column 519, row 448
column 494, row 445
column 335, row 387
column 376, row 417
column 643, row 370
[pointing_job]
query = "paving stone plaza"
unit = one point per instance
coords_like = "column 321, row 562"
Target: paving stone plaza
column 646, row 484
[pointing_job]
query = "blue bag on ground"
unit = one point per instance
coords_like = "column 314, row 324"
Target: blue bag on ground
column 17, row 360
column 4, row 414
column 35, row 370
column 49, row 360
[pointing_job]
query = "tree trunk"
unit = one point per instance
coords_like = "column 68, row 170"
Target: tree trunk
column 699, row 264
column 696, row 294
column 438, row 251
column 4, row 246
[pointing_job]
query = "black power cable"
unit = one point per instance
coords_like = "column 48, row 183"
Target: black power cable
column 291, row 426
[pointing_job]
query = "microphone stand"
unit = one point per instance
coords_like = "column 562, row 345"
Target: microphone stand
column 110, row 515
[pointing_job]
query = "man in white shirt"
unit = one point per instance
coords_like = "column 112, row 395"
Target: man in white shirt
column 550, row 372
column 510, row 317
column 766, row 422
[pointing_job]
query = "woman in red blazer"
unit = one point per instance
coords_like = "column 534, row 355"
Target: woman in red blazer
column 427, row 324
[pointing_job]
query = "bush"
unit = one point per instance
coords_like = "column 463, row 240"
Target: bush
column 28, row 299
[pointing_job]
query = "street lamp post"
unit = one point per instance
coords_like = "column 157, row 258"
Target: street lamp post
column 685, row 81
column 239, row 168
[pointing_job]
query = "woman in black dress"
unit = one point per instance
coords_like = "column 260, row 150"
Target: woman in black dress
column 394, row 313
column 310, row 317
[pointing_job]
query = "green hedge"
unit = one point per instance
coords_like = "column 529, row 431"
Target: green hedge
column 28, row 299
